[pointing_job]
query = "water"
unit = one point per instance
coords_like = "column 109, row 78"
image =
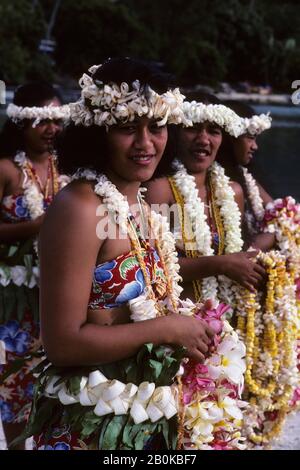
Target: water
column 277, row 162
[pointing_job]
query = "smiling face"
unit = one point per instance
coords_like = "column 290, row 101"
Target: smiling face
column 41, row 138
column 198, row 146
column 244, row 148
column 135, row 149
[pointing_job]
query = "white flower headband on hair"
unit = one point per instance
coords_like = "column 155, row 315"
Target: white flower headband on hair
column 37, row 114
column 215, row 113
column 108, row 104
column 257, row 124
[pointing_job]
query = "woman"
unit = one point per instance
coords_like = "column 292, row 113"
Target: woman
column 28, row 182
column 235, row 155
column 103, row 269
column 211, row 206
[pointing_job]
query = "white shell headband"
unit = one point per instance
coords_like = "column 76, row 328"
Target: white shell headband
column 110, row 104
column 215, row 113
column 257, row 124
column 37, row 114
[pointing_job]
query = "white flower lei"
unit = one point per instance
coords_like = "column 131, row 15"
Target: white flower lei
column 34, row 202
column 256, row 124
column 231, row 219
column 142, row 307
column 33, row 197
column 112, row 103
column 38, row 114
column 254, row 195
column 146, row 401
column 215, row 113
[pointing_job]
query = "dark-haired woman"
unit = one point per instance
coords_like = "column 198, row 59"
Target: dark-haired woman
column 28, row 182
column 235, row 155
column 107, row 281
column 211, row 207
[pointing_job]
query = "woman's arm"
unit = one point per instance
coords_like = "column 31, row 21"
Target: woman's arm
column 264, row 241
column 237, row 266
column 239, row 196
column 10, row 233
column 159, row 192
column 68, row 253
column 264, row 195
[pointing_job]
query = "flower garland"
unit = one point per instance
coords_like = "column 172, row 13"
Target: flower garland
column 256, row 124
column 37, row 114
column 107, row 104
column 215, row 113
column 231, row 221
column 254, row 195
column 211, row 391
column 34, row 199
column 28, row 274
column 270, row 333
column 145, row 402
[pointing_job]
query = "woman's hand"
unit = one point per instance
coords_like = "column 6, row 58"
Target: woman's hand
column 241, row 267
column 192, row 333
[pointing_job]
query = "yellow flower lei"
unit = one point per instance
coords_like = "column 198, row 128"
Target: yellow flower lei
column 263, row 335
column 190, row 237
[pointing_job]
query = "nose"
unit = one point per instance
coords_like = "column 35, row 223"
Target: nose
column 143, row 140
column 202, row 137
column 52, row 127
column 254, row 145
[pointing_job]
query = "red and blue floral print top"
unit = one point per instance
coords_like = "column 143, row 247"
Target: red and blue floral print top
column 13, row 208
column 120, row 280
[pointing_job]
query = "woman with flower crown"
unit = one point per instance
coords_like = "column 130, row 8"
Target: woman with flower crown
column 235, row 154
column 268, row 224
column 113, row 327
column 28, row 182
column 210, row 205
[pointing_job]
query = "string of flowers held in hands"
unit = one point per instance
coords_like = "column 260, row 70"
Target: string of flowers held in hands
column 128, row 395
column 269, row 327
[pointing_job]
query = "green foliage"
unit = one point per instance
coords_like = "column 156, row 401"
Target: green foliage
column 21, row 28
column 200, row 41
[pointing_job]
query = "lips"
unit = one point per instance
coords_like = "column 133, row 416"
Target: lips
column 200, row 153
column 143, row 159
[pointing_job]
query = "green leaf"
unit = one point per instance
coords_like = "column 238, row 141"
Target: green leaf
column 33, row 302
column 113, row 432
column 146, row 431
column 104, row 424
column 9, row 301
column 127, row 265
column 152, row 370
column 90, row 423
column 73, row 385
column 21, row 303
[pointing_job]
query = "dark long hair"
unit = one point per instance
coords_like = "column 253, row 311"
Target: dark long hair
column 86, row 147
column 226, row 152
column 30, row 94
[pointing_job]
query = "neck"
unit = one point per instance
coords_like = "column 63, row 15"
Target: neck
column 200, row 178
column 37, row 157
column 127, row 188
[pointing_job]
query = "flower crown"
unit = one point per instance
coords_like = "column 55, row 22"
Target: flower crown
column 257, row 124
column 38, row 114
column 108, row 104
column 215, row 113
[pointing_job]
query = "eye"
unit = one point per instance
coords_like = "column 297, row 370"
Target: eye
column 214, row 130
column 128, row 128
column 155, row 129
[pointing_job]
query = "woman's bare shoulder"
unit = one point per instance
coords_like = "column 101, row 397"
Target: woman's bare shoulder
column 159, row 191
